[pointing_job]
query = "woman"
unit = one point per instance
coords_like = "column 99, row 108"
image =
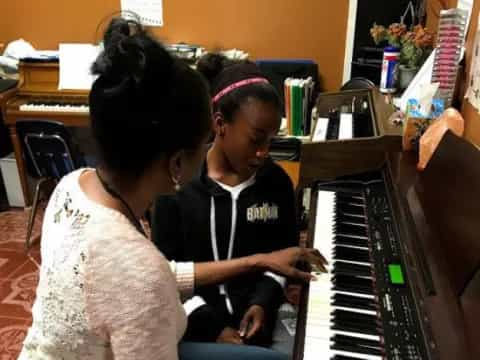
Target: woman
column 240, row 204
column 105, row 291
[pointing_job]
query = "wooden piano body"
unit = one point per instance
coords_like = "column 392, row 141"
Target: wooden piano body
column 437, row 213
column 341, row 157
column 38, row 83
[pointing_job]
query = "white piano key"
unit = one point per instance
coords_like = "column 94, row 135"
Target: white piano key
column 355, row 247
column 354, row 355
column 318, row 331
column 323, row 235
column 357, row 335
column 359, row 311
column 346, row 126
column 80, row 108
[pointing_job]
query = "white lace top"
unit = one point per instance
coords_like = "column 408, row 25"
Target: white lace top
column 105, row 291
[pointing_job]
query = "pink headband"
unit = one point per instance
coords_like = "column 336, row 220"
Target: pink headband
column 236, row 85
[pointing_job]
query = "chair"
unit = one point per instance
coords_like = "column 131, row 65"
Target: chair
column 49, row 153
column 358, row 83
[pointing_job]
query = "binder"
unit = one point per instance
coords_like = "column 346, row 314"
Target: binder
column 298, row 95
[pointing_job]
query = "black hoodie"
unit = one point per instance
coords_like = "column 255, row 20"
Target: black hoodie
column 265, row 221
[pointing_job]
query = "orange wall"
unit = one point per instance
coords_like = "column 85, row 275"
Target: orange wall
column 433, row 11
column 264, row 28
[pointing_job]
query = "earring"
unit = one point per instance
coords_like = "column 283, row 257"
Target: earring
column 176, row 185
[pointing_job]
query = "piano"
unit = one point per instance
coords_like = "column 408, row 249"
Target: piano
column 349, row 114
column 7, row 90
column 37, row 97
column 403, row 248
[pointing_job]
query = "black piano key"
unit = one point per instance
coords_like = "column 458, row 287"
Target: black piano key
column 352, row 289
column 359, row 324
column 350, row 202
column 351, row 229
column 348, row 326
column 343, row 268
column 353, row 282
column 355, row 317
column 350, row 209
column 356, row 340
column 333, row 127
column 345, row 218
column 356, row 349
column 355, row 302
column 351, row 254
column 355, row 327
column 54, row 103
column 349, row 198
column 350, row 241
column 343, row 357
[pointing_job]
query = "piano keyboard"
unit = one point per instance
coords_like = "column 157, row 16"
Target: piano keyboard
column 342, row 320
column 352, row 312
column 334, row 128
column 54, row 107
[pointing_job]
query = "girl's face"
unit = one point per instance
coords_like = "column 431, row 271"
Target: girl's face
column 246, row 138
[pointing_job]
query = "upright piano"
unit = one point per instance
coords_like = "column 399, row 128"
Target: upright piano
column 403, row 248
column 37, row 97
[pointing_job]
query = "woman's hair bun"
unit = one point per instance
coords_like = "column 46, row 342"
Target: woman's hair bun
column 127, row 52
column 212, row 64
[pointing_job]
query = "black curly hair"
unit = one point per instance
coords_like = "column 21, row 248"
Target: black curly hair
column 145, row 103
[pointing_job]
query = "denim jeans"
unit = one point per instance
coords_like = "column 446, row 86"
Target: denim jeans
column 213, row 351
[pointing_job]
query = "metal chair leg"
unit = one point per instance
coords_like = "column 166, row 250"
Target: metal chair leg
column 33, row 211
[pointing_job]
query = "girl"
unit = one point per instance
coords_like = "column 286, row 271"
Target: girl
column 240, row 204
column 105, row 292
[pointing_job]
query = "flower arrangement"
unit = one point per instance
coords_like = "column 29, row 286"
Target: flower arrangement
column 415, row 44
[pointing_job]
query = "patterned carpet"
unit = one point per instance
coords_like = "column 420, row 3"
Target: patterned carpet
column 18, row 280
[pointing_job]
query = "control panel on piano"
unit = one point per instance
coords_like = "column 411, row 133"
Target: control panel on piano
column 364, row 307
column 55, row 106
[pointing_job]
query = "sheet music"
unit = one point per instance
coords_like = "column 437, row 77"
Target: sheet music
column 473, row 92
column 75, row 62
column 149, row 11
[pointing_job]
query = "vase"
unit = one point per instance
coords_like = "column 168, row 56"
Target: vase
column 406, row 75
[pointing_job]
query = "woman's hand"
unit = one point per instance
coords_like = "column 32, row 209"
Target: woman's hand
column 229, row 336
column 252, row 321
column 283, row 262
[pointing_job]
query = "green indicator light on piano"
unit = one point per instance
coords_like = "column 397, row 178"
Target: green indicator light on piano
column 396, row 274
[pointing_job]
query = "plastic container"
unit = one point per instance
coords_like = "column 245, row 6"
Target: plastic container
column 389, row 78
column 11, row 180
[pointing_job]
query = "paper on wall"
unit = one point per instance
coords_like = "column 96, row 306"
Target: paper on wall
column 149, row 12
column 75, row 61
